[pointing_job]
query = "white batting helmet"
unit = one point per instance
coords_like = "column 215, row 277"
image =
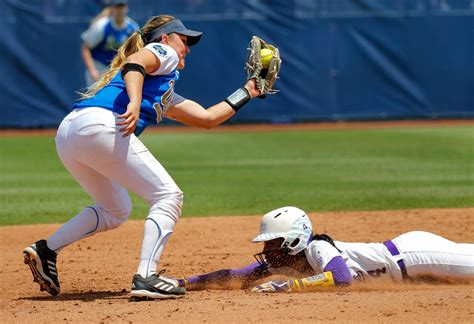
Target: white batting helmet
column 290, row 223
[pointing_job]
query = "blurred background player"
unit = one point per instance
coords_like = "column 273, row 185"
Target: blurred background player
column 290, row 246
column 106, row 33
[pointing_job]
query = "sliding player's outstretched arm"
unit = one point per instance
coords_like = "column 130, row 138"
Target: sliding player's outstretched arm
column 227, row 278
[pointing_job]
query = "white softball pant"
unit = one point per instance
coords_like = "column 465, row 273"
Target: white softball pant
column 106, row 164
column 429, row 254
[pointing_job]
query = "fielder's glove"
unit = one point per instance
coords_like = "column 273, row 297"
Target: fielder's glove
column 272, row 286
column 264, row 78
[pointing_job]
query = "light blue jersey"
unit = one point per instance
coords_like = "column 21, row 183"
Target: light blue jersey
column 104, row 38
column 157, row 94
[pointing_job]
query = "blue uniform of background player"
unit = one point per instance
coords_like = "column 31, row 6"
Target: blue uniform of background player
column 107, row 32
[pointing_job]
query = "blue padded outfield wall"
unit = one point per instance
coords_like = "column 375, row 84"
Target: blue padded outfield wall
column 342, row 59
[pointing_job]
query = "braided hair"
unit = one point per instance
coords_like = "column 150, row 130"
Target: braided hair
column 133, row 44
column 327, row 238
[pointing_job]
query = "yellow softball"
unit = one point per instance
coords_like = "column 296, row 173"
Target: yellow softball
column 266, row 55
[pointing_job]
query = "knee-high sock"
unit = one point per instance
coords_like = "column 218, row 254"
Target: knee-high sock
column 158, row 230
column 88, row 222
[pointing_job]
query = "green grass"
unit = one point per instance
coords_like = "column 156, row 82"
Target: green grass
column 254, row 172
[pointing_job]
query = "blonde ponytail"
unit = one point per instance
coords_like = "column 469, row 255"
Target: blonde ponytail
column 132, row 45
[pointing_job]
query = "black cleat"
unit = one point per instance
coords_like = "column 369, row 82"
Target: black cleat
column 42, row 262
column 155, row 287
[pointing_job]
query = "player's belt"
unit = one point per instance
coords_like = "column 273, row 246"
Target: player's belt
column 394, row 251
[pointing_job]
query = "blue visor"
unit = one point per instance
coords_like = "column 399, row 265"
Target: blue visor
column 175, row 26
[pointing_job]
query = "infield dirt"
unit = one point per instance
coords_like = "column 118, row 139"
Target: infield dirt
column 96, row 274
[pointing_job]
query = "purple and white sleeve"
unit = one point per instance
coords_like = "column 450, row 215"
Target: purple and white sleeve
column 221, row 279
column 322, row 257
column 340, row 271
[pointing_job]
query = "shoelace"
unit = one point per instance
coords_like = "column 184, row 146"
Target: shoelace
column 161, row 272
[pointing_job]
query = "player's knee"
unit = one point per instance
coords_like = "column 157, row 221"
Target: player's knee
column 118, row 218
column 124, row 212
column 175, row 202
column 119, row 213
column 169, row 204
column 179, row 199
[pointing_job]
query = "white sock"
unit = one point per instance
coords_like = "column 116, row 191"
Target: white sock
column 88, row 222
column 158, row 230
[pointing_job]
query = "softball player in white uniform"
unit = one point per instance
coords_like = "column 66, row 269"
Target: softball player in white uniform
column 412, row 254
column 98, row 144
column 290, row 243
